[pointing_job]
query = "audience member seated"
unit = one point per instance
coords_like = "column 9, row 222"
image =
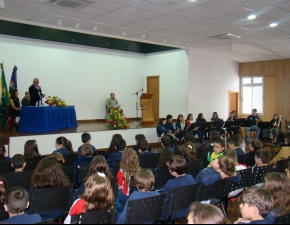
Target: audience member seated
column 48, row 174
column 177, row 167
column 86, row 155
column 284, row 152
column 218, row 148
column 213, row 136
column 3, row 215
column 161, row 129
column 188, row 137
column 129, row 166
column 254, row 146
column 262, row 158
column 165, row 143
column 31, row 149
column 3, row 158
column 120, row 146
column 255, row 205
column 144, row 181
column 63, row 146
column 86, row 139
column 234, row 143
column 165, row 156
column 59, row 157
column 18, row 163
column 180, row 125
column 215, row 118
column 189, row 121
column 205, row 214
column 98, row 195
column 222, row 168
column 16, row 202
column 112, row 148
column 278, row 184
column 188, row 152
column 98, row 166
column 144, row 148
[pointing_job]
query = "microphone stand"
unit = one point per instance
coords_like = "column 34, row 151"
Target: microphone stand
column 137, row 103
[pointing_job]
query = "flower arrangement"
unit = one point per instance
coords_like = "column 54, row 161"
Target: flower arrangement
column 115, row 119
column 55, row 101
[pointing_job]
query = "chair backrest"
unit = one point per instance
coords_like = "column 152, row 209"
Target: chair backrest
column 182, row 197
column 162, row 175
column 177, row 152
column 83, row 171
column 70, row 159
column 202, row 153
column 284, row 219
column 149, row 161
column 115, row 187
column 146, row 209
column 282, row 165
column 51, row 221
column 70, row 172
column 21, row 179
column 96, row 153
column 245, row 176
column 243, row 159
column 193, row 167
column 217, row 190
column 281, row 138
column 5, row 167
column 257, row 175
column 31, row 163
column 95, row 217
column 49, row 199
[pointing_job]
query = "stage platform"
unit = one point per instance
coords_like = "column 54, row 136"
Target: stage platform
column 101, row 137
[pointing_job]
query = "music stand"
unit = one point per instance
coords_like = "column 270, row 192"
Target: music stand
column 243, row 123
column 137, row 107
column 192, row 127
column 265, row 125
column 217, row 125
column 230, row 124
column 206, row 126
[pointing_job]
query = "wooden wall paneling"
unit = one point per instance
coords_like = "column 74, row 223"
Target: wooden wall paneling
column 268, row 68
column 270, row 97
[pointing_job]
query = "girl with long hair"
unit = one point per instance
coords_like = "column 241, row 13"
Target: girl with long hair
column 188, row 152
column 3, row 158
column 31, row 149
column 63, row 146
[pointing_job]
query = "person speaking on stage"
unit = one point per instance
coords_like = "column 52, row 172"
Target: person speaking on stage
column 111, row 102
column 36, row 93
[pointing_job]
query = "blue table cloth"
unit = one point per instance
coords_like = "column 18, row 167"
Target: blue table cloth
column 46, row 119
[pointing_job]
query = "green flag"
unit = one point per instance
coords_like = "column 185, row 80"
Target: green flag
column 4, row 92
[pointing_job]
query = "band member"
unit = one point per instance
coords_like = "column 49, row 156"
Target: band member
column 215, row 118
column 189, row 121
column 233, row 128
column 277, row 125
column 180, row 125
column 199, row 121
column 253, row 122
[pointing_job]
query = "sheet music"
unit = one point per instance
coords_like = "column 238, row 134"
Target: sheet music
column 117, row 106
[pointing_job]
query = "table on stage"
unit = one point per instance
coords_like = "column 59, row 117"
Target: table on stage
column 47, row 119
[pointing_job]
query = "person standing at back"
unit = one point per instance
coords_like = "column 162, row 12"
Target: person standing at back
column 36, row 93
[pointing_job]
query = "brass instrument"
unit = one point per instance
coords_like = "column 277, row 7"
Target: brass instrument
column 258, row 119
column 273, row 134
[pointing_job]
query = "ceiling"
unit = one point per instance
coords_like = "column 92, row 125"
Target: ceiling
column 192, row 22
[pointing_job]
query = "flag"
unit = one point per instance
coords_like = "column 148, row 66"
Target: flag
column 13, row 81
column 4, row 92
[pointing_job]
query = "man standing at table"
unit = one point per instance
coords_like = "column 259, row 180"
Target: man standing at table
column 36, row 93
column 111, row 102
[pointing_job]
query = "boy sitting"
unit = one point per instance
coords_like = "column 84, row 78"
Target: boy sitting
column 144, row 148
column 218, row 148
column 165, row 143
column 18, row 163
column 234, row 144
column 256, row 204
column 16, row 202
column 86, row 139
column 262, row 157
column 59, row 157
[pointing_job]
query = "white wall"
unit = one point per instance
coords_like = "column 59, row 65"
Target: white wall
column 211, row 77
column 83, row 76
column 173, row 69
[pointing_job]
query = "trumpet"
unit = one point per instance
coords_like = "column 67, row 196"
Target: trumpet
column 273, row 134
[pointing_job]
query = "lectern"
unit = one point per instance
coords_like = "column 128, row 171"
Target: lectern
column 147, row 109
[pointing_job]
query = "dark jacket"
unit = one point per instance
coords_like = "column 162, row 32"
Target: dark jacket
column 34, row 95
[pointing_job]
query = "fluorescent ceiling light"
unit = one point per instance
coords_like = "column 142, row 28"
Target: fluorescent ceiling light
column 273, row 25
column 252, row 17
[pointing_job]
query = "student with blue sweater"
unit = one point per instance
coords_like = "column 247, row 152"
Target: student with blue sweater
column 86, row 139
column 86, row 155
column 177, row 167
column 63, row 146
column 215, row 118
column 120, row 146
column 165, row 143
column 233, row 143
column 16, row 202
column 3, row 158
column 161, row 129
column 18, row 163
column 144, row 182
column 144, row 148
column 169, row 124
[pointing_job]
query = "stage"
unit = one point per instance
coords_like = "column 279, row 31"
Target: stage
column 101, row 137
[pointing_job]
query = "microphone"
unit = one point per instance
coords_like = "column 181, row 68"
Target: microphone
column 142, row 89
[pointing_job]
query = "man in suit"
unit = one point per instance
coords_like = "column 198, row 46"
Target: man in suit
column 36, row 93
column 26, row 100
column 111, row 102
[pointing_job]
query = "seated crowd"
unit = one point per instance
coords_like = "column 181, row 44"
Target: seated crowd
column 259, row 204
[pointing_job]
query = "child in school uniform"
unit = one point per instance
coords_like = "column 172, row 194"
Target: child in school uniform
column 165, row 143
column 63, row 146
column 98, row 196
column 86, row 139
column 18, row 163
column 177, row 167
column 59, row 157
column 144, row 181
column 218, row 148
column 188, row 152
column 144, row 148
column 233, row 143
column 120, row 146
column 3, row 158
column 3, row 215
column 256, row 204
column 16, row 202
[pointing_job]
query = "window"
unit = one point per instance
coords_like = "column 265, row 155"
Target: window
column 252, row 94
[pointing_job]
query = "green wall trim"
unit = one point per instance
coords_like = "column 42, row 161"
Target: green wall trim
column 50, row 34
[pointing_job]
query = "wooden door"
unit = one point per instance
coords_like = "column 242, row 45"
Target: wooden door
column 153, row 88
column 233, row 101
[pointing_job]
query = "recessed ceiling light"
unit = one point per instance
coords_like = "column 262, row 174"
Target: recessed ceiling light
column 273, row 25
column 172, row 3
column 192, row 0
column 252, row 17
